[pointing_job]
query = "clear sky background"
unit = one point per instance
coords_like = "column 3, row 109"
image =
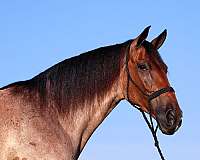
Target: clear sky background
column 36, row 34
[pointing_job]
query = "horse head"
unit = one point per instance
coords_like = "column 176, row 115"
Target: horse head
column 148, row 85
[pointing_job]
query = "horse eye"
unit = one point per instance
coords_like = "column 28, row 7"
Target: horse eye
column 143, row 66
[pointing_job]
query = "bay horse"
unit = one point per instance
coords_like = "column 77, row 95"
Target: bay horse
column 52, row 115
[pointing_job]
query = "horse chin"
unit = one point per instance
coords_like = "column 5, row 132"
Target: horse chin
column 168, row 121
column 166, row 131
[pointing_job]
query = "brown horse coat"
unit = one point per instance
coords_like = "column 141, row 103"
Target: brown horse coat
column 52, row 116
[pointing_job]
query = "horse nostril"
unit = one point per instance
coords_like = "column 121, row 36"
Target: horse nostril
column 170, row 117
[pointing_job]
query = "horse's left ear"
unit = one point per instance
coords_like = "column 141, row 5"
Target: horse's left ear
column 158, row 41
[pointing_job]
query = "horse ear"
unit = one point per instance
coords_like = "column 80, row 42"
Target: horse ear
column 142, row 36
column 158, row 41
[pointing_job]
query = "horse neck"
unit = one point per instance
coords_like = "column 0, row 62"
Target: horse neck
column 89, row 116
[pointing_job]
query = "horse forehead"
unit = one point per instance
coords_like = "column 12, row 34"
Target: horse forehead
column 142, row 53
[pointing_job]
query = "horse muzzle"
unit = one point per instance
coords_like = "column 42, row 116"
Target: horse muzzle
column 168, row 119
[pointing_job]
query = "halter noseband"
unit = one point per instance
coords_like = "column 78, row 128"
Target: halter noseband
column 150, row 97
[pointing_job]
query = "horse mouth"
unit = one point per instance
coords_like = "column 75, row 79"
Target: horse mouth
column 168, row 122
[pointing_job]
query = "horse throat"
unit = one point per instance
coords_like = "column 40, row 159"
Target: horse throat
column 81, row 123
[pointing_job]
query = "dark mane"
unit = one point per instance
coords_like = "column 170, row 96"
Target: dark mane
column 77, row 79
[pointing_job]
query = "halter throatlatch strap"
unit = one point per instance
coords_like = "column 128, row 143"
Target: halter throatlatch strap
column 150, row 97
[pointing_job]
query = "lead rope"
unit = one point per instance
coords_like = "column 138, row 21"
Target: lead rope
column 153, row 132
column 149, row 123
column 151, row 127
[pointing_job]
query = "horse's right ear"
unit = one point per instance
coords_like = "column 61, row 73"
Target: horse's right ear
column 158, row 41
column 140, row 39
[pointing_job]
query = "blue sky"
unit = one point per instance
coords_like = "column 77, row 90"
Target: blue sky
column 36, row 34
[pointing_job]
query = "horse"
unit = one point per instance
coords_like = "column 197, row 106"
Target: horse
column 52, row 115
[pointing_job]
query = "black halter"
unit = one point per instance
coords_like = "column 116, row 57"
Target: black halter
column 150, row 97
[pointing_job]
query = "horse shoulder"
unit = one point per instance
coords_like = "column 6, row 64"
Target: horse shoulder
column 27, row 134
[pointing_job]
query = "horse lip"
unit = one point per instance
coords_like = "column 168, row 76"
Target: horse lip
column 171, row 132
column 168, row 130
column 179, row 125
column 167, row 121
column 164, row 129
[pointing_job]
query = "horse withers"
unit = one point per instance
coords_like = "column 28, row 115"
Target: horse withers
column 52, row 115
